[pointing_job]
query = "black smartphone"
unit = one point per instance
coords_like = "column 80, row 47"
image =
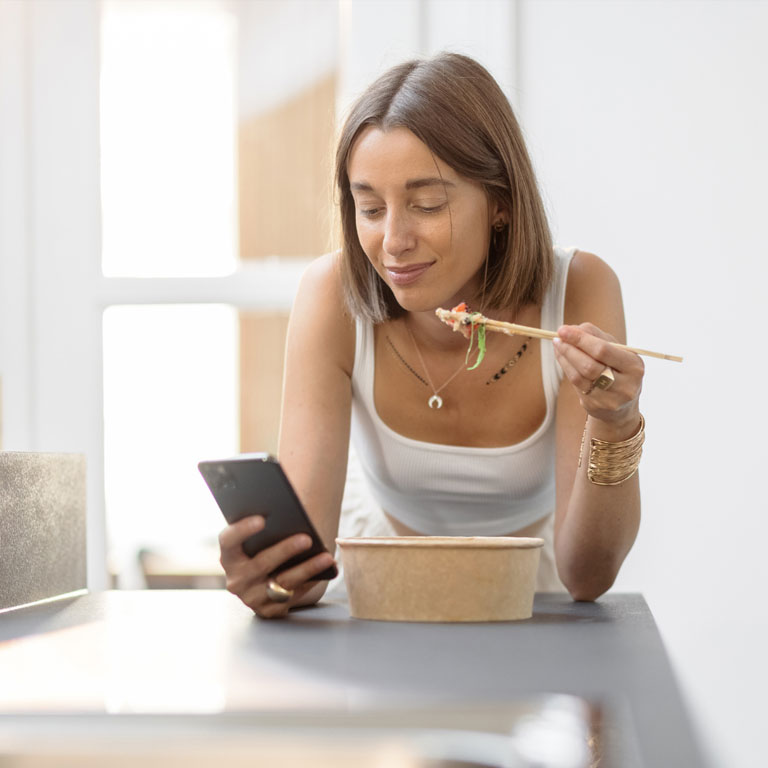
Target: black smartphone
column 255, row 484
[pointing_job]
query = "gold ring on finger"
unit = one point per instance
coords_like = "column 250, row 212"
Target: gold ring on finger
column 277, row 593
column 605, row 380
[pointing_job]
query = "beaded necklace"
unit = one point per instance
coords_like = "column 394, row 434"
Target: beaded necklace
column 436, row 401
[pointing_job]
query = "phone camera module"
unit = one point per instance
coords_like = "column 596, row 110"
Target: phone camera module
column 224, row 480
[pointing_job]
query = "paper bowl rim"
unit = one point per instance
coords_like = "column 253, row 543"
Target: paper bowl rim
column 442, row 542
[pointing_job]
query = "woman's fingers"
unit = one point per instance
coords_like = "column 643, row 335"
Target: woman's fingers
column 243, row 572
column 584, row 352
column 579, row 377
column 267, row 609
column 247, row 577
column 595, row 348
column 305, row 572
column 589, row 350
column 232, row 537
column 271, row 558
column 581, row 360
column 299, row 580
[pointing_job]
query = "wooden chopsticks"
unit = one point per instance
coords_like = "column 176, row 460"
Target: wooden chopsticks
column 512, row 329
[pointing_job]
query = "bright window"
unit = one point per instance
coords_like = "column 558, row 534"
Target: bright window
column 170, row 400
column 168, row 147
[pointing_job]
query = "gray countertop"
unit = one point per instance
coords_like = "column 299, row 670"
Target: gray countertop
column 191, row 653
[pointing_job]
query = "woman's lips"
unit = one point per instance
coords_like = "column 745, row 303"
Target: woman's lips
column 407, row 275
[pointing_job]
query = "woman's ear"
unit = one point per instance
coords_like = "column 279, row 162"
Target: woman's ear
column 498, row 214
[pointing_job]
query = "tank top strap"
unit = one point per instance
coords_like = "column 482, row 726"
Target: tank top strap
column 552, row 313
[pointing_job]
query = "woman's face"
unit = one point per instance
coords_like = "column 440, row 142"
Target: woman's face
column 424, row 227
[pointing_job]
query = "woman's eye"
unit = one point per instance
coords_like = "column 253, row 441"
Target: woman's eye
column 372, row 211
column 433, row 208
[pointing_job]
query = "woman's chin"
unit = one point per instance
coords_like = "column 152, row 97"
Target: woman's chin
column 415, row 304
column 422, row 299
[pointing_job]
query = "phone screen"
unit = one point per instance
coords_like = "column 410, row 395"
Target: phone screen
column 255, row 484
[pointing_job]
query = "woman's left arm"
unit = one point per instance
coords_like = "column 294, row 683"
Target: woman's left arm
column 595, row 525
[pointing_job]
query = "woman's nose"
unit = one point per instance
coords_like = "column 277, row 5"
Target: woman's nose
column 399, row 236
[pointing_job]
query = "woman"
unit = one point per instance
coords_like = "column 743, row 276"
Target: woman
column 439, row 205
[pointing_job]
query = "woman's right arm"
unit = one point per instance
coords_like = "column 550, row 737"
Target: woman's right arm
column 317, row 395
column 314, row 442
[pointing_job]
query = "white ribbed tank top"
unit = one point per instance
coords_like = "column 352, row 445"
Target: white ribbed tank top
column 448, row 490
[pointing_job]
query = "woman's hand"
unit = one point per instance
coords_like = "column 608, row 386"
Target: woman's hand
column 247, row 577
column 583, row 352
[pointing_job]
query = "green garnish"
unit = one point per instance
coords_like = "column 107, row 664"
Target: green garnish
column 480, row 342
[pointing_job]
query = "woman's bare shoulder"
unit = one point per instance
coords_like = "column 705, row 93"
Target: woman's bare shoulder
column 324, row 267
column 587, row 270
column 320, row 321
column 593, row 294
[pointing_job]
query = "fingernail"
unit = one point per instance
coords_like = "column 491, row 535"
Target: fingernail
column 257, row 522
column 303, row 542
column 557, row 341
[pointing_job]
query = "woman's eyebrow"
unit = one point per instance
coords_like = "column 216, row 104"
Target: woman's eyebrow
column 362, row 186
column 431, row 182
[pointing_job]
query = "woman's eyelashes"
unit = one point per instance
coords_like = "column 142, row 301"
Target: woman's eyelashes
column 432, row 208
column 372, row 211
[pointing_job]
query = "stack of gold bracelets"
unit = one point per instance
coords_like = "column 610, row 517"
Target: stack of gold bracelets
column 613, row 463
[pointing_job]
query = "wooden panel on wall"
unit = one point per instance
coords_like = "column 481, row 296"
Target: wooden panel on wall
column 285, row 175
column 285, row 207
column 262, row 345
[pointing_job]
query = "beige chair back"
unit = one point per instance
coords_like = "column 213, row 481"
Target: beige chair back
column 42, row 526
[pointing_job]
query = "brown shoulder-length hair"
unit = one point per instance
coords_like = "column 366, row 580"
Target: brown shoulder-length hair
column 458, row 110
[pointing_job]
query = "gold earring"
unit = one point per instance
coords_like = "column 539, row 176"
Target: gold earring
column 498, row 227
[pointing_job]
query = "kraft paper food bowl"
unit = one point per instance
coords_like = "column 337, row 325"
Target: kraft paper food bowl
column 440, row 578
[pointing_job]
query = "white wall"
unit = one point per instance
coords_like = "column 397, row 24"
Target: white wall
column 14, row 273
column 376, row 34
column 648, row 122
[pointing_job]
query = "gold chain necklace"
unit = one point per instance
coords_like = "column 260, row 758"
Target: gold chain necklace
column 496, row 376
column 435, row 401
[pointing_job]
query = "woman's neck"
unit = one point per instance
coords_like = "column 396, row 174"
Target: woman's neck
column 432, row 333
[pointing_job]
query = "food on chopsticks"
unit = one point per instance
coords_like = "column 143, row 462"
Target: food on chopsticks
column 480, row 345
column 462, row 320
column 458, row 318
column 468, row 328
